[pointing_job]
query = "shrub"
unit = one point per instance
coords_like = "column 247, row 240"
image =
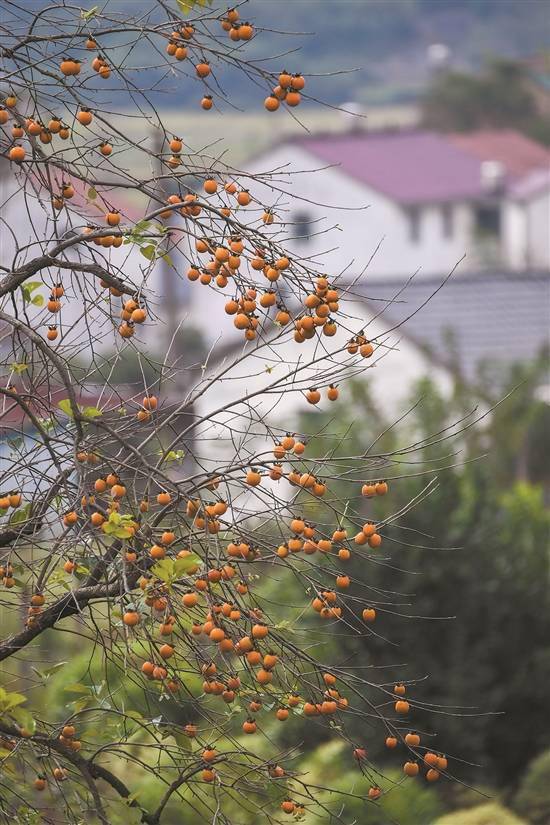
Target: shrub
column 490, row 813
column 533, row 797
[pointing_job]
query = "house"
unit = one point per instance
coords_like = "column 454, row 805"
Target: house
column 526, row 221
column 29, row 215
column 420, row 201
column 432, row 199
column 473, row 327
column 412, row 200
column 423, row 326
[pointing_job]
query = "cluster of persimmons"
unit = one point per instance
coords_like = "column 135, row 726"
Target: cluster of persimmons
column 185, row 555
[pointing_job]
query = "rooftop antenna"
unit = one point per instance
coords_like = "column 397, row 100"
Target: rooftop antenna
column 438, row 56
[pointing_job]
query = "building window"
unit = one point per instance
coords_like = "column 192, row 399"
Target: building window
column 414, row 215
column 488, row 221
column 302, row 226
column 447, row 220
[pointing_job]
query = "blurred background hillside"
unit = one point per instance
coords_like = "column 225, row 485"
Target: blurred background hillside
column 387, row 44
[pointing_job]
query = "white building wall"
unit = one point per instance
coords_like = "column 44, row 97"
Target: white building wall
column 350, row 220
column 538, row 231
column 391, row 372
column 515, row 234
column 27, row 222
column 526, row 232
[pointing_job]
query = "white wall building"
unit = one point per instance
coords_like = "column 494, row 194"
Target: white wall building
column 427, row 199
column 420, row 201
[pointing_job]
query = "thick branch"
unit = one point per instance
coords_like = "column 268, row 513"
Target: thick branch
column 19, row 276
column 69, row 605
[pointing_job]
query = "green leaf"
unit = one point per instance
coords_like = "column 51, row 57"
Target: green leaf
column 174, row 455
column 170, row 569
column 118, row 526
column 49, row 671
column 183, row 741
column 87, row 15
column 118, row 532
column 166, row 257
column 27, row 817
column 5, row 755
column 187, row 5
column 86, row 412
column 65, row 406
column 28, row 288
column 284, row 624
column 148, row 251
column 122, row 533
column 92, row 194
column 19, row 368
column 91, row 412
column 24, row 719
column 77, row 688
column 181, row 566
column 80, row 704
column 20, row 514
column 8, row 701
column 46, row 423
column 164, row 569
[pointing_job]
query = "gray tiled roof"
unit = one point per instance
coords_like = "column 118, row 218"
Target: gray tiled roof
column 486, row 319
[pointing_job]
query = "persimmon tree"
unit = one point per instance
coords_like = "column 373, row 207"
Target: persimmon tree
column 146, row 520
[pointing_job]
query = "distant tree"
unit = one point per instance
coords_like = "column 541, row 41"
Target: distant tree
column 484, row 814
column 485, row 560
column 499, row 97
column 533, row 797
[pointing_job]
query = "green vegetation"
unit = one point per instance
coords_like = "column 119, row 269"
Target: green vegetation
column 389, row 45
column 489, row 814
column 500, row 97
column 388, row 48
column 532, row 800
column 486, row 527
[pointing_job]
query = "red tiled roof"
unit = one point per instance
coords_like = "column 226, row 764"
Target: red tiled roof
column 409, row 167
column 517, row 153
column 531, row 185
